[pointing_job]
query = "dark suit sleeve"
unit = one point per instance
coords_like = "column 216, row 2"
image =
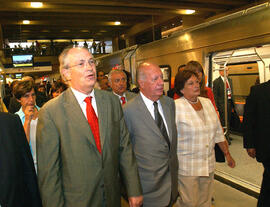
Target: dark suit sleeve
column 128, row 164
column 249, row 120
column 48, row 157
column 29, row 175
column 215, row 91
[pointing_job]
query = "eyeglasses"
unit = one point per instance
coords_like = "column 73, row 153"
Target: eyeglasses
column 84, row 63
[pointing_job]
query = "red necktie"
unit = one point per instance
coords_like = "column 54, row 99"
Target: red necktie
column 228, row 90
column 123, row 99
column 93, row 121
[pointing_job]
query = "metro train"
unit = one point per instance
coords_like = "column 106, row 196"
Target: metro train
column 240, row 40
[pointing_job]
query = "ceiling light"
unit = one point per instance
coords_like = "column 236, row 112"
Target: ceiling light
column 26, row 22
column 45, row 30
column 190, row 11
column 36, row 4
column 66, row 30
column 117, row 23
column 84, row 30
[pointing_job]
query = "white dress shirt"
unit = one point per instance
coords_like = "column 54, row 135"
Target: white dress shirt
column 124, row 95
column 150, row 106
column 80, row 98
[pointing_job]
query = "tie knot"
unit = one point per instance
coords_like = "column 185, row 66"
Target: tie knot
column 155, row 104
column 88, row 99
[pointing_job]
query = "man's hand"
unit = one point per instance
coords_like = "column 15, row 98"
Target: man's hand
column 251, row 152
column 135, row 201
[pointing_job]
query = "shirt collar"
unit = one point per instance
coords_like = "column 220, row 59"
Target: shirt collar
column 147, row 101
column 81, row 96
column 124, row 95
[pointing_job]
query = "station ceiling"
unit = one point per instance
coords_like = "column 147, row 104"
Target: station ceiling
column 95, row 19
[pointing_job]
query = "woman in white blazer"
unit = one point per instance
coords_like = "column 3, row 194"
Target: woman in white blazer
column 198, row 129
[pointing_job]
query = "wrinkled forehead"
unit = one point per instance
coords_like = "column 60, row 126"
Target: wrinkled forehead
column 118, row 75
column 77, row 54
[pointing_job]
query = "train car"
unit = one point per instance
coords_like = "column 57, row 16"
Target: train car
column 240, row 41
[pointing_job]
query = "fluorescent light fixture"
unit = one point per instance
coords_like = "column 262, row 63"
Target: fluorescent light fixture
column 84, row 30
column 66, row 30
column 36, row 4
column 190, row 11
column 117, row 23
column 26, row 22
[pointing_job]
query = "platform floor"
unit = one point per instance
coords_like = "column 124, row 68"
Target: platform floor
column 226, row 196
column 247, row 169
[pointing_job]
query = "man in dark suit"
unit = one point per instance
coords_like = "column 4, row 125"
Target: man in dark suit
column 256, row 134
column 150, row 118
column 18, row 182
column 218, row 90
column 118, row 83
column 83, row 145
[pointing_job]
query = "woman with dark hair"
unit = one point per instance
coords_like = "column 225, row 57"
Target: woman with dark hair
column 28, row 113
column 57, row 88
column 204, row 91
column 198, row 129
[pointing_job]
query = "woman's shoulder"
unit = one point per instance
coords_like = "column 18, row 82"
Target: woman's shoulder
column 180, row 100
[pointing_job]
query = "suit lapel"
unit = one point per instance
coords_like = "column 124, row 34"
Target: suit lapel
column 166, row 112
column 142, row 109
column 102, row 108
column 76, row 116
column 148, row 120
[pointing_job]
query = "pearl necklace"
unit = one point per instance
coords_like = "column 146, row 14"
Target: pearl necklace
column 193, row 102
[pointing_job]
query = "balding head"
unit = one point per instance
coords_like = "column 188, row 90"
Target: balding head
column 150, row 80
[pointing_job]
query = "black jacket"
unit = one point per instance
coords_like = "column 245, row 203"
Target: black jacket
column 256, row 121
column 18, row 182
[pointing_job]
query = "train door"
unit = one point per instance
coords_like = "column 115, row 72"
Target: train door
column 247, row 67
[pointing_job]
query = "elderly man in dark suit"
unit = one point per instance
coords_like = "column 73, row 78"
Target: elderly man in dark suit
column 150, row 118
column 118, row 83
column 256, row 134
column 83, row 144
column 218, row 90
column 18, row 182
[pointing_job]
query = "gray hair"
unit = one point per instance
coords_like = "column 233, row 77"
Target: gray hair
column 116, row 71
column 63, row 60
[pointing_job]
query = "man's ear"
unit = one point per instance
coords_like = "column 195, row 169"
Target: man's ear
column 67, row 74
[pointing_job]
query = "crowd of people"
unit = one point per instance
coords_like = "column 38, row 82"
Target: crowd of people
column 96, row 141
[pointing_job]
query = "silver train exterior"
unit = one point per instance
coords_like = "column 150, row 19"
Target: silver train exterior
column 243, row 29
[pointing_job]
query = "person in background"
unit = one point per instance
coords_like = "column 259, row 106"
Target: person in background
column 57, row 88
column 118, row 83
column 14, row 105
column 41, row 97
column 205, row 91
column 100, row 75
column 83, row 144
column 28, row 113
column 198, row 129
column 172, row 92
column 104, row 84
column 218, row 89
column 150, row 118
column 256, row 134
column 18, row 180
